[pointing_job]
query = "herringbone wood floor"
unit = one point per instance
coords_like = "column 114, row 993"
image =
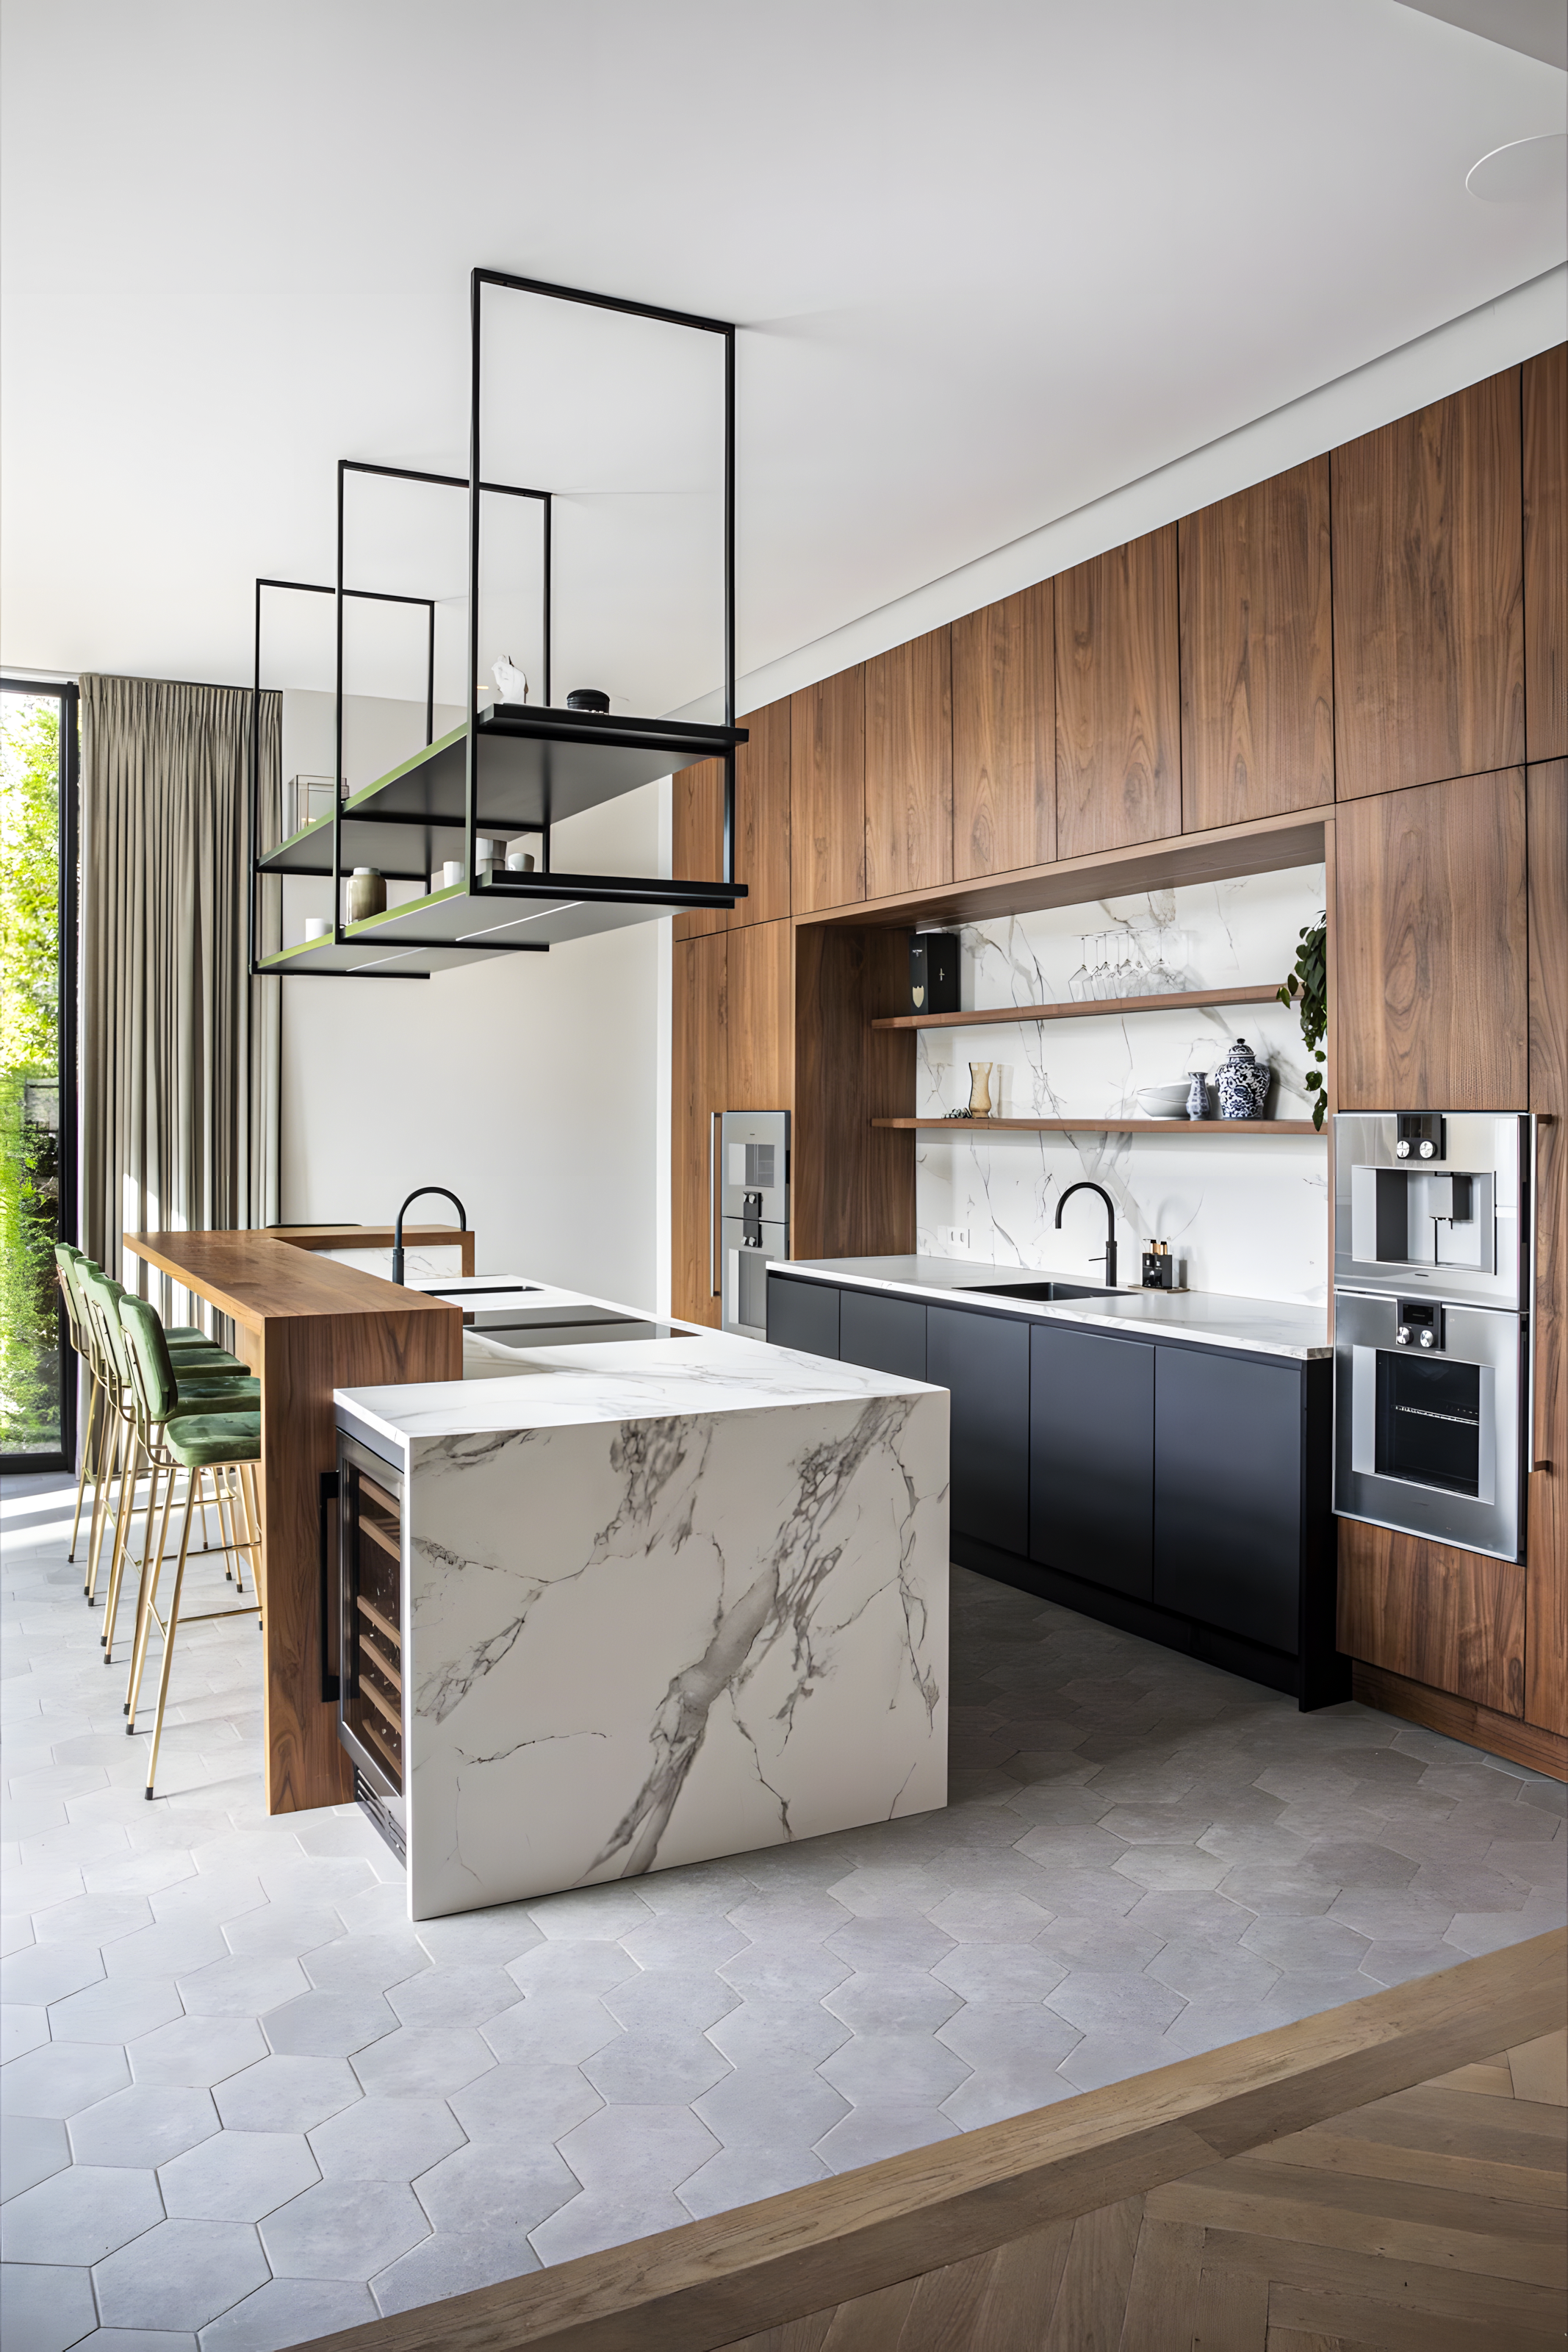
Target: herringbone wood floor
column 1429, row 2221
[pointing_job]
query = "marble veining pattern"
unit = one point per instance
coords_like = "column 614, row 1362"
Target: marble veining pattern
column 637, row 1642
column 1248, row 1217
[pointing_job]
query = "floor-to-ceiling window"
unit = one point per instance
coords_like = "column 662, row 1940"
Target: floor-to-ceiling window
column 38, row 1068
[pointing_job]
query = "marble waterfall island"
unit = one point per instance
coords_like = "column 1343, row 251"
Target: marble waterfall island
column 661, row 1602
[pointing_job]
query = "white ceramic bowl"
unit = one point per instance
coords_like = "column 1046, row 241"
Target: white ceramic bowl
column 1163, row 1102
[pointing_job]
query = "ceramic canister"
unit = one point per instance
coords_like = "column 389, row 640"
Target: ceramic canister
column 1243, row 1083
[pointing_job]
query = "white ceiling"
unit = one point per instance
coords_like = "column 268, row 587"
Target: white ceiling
column 991, row 261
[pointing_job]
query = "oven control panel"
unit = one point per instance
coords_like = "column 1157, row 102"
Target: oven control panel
column 1420, row 1324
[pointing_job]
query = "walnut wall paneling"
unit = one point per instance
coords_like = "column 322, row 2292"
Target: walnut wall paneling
column 1118, row 715
column 697, row 838
column 1546, row 1539
column 1428, row 594
column 759, row 1025
column 1431, row 947
column 909, row 767
column 1257, row 654
column 1004, row 735
column 762, row 817
column 1545, row 411
column 699, row 1078
column 1453, row 1620
column 827, row 793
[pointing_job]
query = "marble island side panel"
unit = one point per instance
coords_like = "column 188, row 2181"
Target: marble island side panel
column 638, row 1643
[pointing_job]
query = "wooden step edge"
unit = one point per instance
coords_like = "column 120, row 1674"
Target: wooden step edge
column 712, row 2282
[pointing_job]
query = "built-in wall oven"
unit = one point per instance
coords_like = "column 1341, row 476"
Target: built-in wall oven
column 751, row 1191
column 1433, row 1214
column 371, row 1586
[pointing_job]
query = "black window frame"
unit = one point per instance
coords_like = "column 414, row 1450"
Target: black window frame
column 66, row 694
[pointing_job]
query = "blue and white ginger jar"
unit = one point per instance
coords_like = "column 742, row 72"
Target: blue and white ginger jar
column 1243, row 1083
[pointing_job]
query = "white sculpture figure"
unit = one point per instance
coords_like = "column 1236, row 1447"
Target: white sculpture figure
column 511, row 682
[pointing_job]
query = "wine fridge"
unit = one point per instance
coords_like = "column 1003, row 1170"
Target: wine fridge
column 370, row 1632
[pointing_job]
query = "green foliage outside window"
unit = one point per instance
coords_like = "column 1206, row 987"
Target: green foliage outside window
column 29, row 1073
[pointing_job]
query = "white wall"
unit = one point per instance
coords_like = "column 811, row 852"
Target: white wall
column 536, row 1085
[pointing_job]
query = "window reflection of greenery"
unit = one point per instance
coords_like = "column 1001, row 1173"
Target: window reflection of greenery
column 29, row 1070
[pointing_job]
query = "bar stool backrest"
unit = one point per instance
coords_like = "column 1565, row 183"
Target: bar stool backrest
column 103, row 1295
column 65, row 1259
column 147, row 1350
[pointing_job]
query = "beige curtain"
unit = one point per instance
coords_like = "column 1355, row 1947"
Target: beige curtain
column 179, row 1046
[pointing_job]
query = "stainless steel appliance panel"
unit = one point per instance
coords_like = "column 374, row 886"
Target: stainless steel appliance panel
column 753, row 1188
column 1428, row 1416
column 1432, row 1201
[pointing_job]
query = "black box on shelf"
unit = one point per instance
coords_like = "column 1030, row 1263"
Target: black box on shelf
column 933, row 971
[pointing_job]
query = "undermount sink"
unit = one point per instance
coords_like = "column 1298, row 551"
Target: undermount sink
column 1045, row 1290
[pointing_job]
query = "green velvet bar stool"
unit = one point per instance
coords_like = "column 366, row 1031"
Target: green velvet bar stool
column 107, row 1413
column 202, row 1385
column 226, row 1444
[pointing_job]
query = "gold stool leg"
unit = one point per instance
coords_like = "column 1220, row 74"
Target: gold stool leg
column 123, row 1448
column 107, row 1433
column 123, row 1522
column 173, row 1619
column 111, row 1606
column 88, row 1435
column 146, row 1605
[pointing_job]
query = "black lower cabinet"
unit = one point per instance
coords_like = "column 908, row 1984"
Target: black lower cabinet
column 983, row 1361
column 1092, row 1457
column 885, row 1334
column 1229, row 1439
column 803, row 1315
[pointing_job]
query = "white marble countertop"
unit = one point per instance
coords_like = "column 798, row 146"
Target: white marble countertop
column 1264, row 1326
column 694, row 1370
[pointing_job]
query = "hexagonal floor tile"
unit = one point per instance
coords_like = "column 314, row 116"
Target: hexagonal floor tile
column 328, row 2024
column 179, row 2275
column 424, row 2061
column 286, row 2094
column 80, row 2215
column 147, row 2125
column 287, row 2311
column 237, row 2176
column 197, row 2051
column 344, row 2230
column 387, row 2139
column 487, row 2185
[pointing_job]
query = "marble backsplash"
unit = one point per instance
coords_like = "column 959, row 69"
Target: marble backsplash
column 1248, row 1213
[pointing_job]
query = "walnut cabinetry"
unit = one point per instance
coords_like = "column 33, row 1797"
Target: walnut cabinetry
column 1431, row 947
column 698, row 1075
column 1347, row 661
column 1428, row 594
column 696, row 839
column 827, row 792
column 1118, row 723
column 1546, row 1497
column 1004, row 735
column 1544, row 391
column 1256, row 656
column 732, row 1048
column 909, row 767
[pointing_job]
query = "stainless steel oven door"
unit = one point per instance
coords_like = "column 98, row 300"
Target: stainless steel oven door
column 1426, row 1427
column 748, row 1251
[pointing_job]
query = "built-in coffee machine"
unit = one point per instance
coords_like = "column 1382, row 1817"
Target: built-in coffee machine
column 751, row 1187
column 1433, row 1217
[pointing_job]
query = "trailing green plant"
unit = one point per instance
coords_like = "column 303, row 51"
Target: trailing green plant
column 1308, row 988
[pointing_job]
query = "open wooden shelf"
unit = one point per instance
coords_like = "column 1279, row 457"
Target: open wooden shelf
column 1261, row 992
column 1236, row 1127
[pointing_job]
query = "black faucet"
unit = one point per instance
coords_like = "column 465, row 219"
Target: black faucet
column 418, row 1194
column 1083, row 1186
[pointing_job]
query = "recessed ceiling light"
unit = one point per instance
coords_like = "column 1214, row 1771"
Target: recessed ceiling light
column 1522, row 173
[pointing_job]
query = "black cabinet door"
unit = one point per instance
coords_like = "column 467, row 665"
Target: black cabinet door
column 1227, row 1492
column 983, row 1359
column 1092, row 1457
column 803, row 1315
column 887, row 1335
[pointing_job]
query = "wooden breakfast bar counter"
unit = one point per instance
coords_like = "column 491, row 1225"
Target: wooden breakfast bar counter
column 305, row 1325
